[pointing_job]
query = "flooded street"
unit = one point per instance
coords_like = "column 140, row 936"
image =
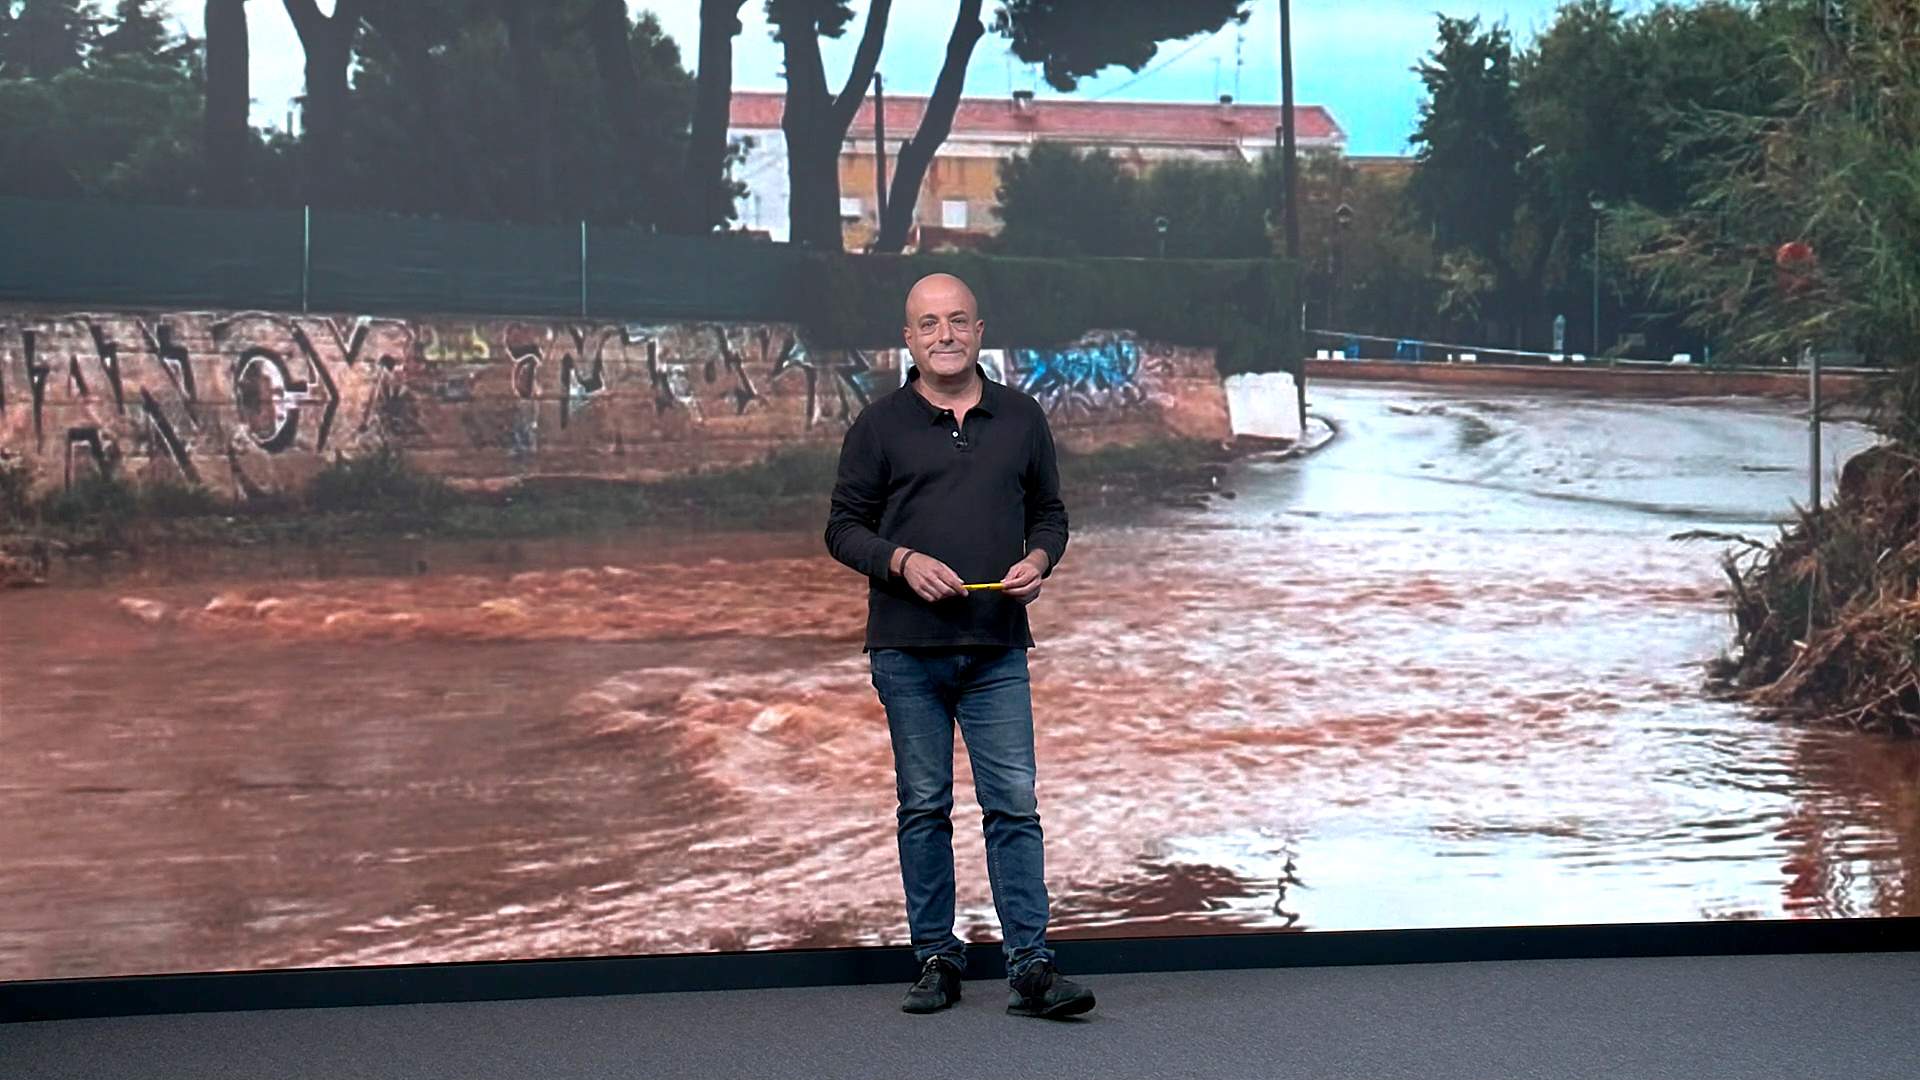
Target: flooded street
column 1445, row 672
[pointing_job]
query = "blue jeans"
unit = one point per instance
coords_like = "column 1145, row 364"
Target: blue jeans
column 985, row 690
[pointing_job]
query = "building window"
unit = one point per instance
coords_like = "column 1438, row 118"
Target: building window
column 852, row 206
column 953, row 213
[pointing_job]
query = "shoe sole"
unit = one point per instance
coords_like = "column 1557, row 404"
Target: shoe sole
column 955, row 1000
column 1057, row 1012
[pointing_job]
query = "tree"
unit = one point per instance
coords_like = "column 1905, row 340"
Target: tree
column 328, row 43
column 1470, row 180
column 608, row 30
column 1213, row 211
column 1834, row 165
column 46, row 37
column 227, row 136
column 117, row 127
column 936, row 123
column 526, row 43
column 709, row 202
column 1057, row 202
column 1600, row 93
column 1383, row 280
column 412, row 34
column 413, row 150
column 1072, row 39
column 137, row 31
column 816, row 119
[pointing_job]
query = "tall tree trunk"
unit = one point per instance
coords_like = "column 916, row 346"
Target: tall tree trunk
column 328, row 42
column 609, row 31
column 536, row 103
column 910, row 168
column 227, row 135
column 704, row 203
column 816, row 124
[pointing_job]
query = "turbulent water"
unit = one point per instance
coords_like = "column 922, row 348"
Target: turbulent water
column 1447, row 672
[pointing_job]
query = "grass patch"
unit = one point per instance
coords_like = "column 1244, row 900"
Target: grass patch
column 381, row 481
column 384, row 494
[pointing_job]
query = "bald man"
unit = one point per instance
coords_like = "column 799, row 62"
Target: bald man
column 946, row 483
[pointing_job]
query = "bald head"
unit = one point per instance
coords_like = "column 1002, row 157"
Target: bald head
column 943, row 326
column 941, row 293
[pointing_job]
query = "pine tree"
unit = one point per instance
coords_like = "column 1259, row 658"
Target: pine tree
column 47, row 37
column 137, row 30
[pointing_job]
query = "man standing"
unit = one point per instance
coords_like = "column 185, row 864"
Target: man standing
column 950, row 481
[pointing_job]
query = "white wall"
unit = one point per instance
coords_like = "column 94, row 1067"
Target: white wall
column 1265, row 406
column 764, row 206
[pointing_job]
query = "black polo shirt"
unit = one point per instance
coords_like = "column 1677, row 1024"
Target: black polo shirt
column 978, row 497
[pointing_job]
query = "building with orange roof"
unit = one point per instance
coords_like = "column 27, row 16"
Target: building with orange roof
column 958, row 205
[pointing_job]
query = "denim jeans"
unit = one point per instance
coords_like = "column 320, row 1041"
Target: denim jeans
column 984, row 690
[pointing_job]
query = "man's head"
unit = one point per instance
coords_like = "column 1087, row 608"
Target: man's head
column 943, row 325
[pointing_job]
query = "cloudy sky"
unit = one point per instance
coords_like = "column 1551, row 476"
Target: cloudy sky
column 1352, row 56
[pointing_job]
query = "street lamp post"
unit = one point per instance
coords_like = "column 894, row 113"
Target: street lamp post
column 1597, row 205
column 1342, row 220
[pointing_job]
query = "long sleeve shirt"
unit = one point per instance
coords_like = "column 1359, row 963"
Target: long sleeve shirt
column 978, row 496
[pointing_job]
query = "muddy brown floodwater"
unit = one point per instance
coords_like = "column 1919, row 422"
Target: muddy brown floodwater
column 1445, row 673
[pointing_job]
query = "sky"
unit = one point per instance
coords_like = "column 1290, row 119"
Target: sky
column 1355, row 57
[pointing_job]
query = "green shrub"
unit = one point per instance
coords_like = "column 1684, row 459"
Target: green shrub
column 99, row 498
column 172, row 499
column 383, row 480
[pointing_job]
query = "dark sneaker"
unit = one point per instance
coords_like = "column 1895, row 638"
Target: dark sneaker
column 939, row 987
column 1042, row 991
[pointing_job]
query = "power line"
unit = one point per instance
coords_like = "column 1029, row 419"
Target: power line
column 1159, row 67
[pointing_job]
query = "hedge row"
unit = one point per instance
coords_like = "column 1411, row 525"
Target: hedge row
column 96, row 253
column 1245, row 309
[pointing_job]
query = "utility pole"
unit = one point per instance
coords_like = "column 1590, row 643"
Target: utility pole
column 1289, row 205
column 879, row 153
column 1289, row 208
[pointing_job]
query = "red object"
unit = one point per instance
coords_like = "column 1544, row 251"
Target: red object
column 1795, row 263
column 1793, row 252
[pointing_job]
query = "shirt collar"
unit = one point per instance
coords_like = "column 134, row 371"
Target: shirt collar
column 990, row 392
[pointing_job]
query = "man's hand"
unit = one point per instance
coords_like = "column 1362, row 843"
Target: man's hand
column 1023, row 580
column 930, row 578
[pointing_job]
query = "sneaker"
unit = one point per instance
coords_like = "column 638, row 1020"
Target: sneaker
column 938, row 988
column 1042, row 991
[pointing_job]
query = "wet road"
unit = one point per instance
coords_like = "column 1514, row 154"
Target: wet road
column 1444, row 673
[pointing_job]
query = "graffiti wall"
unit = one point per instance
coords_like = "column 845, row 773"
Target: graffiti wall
column 247, row 403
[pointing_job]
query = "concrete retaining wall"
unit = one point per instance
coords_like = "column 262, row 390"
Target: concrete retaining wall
column 250, row 402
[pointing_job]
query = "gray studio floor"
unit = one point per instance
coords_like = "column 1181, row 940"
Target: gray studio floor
column 1795, row 1017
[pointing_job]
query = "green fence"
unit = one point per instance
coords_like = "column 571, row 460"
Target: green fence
column 292, row 260
column 97, row 253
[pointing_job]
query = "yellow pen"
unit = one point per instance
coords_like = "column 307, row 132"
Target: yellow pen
column 988, row 585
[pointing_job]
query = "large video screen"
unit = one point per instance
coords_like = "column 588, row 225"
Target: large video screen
column 414, row 472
